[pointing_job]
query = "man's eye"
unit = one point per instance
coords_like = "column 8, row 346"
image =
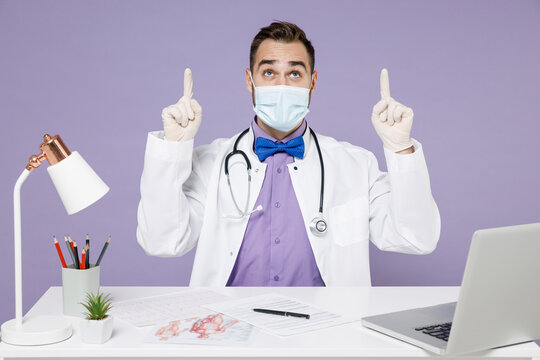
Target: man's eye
column 295, row 74
column 268, row 73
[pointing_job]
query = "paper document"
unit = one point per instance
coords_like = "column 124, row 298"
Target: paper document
column 242, row 309
column 160, row 309
column 208, row 329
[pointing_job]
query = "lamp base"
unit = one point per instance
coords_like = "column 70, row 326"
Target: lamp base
column 37, row 330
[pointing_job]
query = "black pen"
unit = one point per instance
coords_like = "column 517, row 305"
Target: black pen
column 282, row 313
column 103, row 251
column 87, row 248
column 76, row 253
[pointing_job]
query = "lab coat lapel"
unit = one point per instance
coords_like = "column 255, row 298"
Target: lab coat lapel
column 306, row 179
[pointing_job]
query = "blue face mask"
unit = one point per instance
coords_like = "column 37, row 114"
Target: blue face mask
column 281, row 107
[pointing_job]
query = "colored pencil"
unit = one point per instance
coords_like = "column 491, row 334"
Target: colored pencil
column 83, row 259
column 103, row 251
column 71, row 243
column 87, row 262
column 70, row 251
column 76, row 253
column 87, row 251
column 57, row 245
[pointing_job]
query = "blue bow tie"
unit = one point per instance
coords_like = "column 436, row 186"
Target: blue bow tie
column 264, row 147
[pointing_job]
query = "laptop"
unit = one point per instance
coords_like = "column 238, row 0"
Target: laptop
column 498, row 304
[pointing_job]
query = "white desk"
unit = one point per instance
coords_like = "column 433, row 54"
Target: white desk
column 349, row 340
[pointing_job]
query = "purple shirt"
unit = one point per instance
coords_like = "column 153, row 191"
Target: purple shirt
column 276, row 250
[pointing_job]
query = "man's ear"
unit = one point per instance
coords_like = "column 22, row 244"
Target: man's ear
column 313, row 82
column 248, row 81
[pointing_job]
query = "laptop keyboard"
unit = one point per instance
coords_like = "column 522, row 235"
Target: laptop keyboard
column 441, row 331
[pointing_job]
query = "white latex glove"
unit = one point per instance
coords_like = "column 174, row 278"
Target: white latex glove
column 392, row 120
column 182, row 120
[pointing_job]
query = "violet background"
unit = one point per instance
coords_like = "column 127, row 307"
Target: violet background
column 99, row 72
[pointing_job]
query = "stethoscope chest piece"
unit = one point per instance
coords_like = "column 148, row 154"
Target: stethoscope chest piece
column 318, row 226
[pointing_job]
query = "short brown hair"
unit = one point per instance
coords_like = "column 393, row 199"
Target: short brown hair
column 285, row 32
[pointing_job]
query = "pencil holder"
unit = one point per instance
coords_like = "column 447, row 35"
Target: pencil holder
column 75, row 285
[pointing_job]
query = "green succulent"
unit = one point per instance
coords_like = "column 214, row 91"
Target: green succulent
column 97, row 305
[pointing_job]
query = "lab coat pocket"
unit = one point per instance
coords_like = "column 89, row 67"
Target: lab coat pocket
column 350, row 221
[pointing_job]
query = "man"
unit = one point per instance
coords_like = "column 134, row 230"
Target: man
column 279, row 205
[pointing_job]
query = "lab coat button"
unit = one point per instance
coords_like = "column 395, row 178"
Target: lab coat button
column 295, row 168
column 231, row 253
column 277, row 204
column 276, row 278
column 277, row 241
column 257, row 170
column 279, row 170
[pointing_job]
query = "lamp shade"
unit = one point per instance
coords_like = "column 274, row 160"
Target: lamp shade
column 77, row 184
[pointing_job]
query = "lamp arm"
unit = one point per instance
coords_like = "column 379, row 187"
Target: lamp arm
column 45, row 329
column 18, row 245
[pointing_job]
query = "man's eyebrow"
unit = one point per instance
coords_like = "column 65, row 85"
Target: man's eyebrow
column 273, row 61
column 294, row 63
column 264, row 61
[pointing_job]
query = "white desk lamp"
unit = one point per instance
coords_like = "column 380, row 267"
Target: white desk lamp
column 78, row 186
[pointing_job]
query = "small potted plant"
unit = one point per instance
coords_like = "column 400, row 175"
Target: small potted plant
column 97, row 326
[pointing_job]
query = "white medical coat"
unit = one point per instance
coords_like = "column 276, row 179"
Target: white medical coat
column 184, row 194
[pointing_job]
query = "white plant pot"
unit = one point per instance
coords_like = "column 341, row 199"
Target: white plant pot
column 96, row 331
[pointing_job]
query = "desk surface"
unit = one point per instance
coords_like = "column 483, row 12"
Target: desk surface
column 348, row 340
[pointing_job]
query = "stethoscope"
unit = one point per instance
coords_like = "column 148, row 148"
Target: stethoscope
column 317, row 226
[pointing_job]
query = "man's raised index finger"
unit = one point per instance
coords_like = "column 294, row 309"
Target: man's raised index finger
column 385, row 84
column 188, row 83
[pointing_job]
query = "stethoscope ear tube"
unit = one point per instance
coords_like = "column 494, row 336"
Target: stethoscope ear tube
column 236, row 152
column 321, row 198
column 248, row 164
